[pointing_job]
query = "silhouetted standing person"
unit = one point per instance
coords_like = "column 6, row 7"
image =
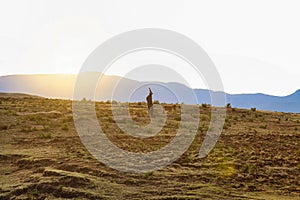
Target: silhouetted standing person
column 150, row 103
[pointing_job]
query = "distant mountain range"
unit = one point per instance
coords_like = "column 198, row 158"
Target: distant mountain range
column 62, row 86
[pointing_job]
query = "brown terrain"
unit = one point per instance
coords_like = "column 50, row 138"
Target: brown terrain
column 42, row 157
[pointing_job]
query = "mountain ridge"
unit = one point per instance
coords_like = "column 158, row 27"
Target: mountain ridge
column 62, row 86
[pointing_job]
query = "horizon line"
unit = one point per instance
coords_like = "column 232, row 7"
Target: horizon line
column 75, row 74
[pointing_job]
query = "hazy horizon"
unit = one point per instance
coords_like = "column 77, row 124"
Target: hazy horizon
column 62, row 74
column 252, row 53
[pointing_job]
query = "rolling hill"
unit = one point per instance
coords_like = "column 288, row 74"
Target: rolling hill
column 62, row 86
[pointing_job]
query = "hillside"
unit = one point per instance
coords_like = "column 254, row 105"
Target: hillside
column 42, row 157
column 62, row 86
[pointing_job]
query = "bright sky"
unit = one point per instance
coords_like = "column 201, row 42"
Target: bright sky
column 254, row 44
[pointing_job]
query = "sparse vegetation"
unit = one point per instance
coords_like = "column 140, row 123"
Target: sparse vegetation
column 45, row 128
column 148, row 174
column 45, row 135
column 28, row 129
column 65, row 127
column 156, row 102
column 43, row 157
column 178, row 118
column 204, row 117
column 204, row 105
column 263, row 126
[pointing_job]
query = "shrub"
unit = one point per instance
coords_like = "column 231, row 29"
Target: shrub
column 60, row 187
column 148, row 174
column 45, row 135
column 228, row 105
column 45, row 128
column 204, row 117
column 4, row 127
column 253, row 109
column 245, row 168
column 28, row 129
column 156, row 102
column 205, row 105
column 178, row 118
column 263, row 126
column 65, row 127
column 252, row 169
column 111, row 120
column 141, row 113
column 225, row 126
column 34, row 193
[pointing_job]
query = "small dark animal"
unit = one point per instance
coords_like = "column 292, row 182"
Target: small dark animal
column 150, row 103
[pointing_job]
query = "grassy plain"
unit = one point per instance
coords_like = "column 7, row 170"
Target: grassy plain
column 42, row 157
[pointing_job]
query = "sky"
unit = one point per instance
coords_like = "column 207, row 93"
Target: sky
column 254, row 44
